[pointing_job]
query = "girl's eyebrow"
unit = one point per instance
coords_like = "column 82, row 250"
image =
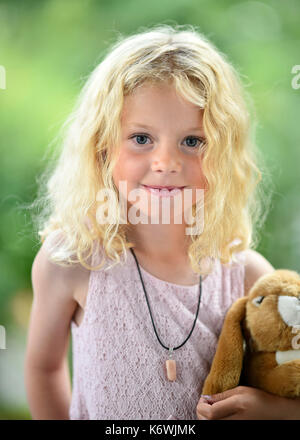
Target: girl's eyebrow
column 150, row 128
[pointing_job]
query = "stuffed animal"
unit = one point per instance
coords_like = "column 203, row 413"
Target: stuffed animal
column 260, row 339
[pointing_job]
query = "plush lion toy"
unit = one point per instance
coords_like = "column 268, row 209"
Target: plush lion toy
column 260, row 339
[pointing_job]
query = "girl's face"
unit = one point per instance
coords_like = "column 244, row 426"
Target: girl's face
column 161, row 145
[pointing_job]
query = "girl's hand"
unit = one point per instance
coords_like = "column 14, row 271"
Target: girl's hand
column 247, row 403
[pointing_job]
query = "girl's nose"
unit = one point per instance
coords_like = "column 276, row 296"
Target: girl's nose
column 166, row 159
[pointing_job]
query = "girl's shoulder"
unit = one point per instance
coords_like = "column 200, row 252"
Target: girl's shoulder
column 66, row 279
column 256, row 265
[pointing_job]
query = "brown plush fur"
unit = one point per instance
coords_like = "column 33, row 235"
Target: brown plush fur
column 264, row 332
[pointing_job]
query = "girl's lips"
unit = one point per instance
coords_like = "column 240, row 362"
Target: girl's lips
column 164, row 192
column 169, row 188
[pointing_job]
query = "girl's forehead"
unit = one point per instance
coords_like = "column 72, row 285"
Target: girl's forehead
column 153, row 100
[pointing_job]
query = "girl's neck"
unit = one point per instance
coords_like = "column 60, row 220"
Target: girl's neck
column 162, row 242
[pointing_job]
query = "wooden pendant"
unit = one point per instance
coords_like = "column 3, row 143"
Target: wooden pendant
column 171, row 369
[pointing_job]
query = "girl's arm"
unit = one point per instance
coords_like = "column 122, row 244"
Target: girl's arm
column 47, row 379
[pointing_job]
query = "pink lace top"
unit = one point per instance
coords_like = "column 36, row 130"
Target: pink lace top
column 119, row 365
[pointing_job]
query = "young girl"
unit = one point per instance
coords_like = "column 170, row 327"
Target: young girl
column 145, row 300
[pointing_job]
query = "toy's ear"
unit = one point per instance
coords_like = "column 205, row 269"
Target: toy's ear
column 228, row 361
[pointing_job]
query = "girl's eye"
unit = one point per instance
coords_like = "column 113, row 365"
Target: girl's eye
column 140, row 136
column 194, row 144
column 141, row 140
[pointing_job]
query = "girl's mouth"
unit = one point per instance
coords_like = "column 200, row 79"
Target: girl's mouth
column 163, row 192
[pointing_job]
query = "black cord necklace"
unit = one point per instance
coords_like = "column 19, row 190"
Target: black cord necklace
column 170, row 363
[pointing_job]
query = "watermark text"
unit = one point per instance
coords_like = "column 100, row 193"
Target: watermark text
column 2, row 78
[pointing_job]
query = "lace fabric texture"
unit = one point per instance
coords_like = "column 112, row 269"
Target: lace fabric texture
column 118, row 364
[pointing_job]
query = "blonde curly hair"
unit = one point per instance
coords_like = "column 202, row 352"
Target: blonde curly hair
column 235, row 205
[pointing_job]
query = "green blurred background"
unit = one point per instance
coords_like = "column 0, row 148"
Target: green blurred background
column 48, row 48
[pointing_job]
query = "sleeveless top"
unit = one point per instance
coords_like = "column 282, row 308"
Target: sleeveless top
column 118, row 364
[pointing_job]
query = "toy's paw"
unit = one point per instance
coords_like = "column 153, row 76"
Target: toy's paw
column 283, row 380
column 212, row 386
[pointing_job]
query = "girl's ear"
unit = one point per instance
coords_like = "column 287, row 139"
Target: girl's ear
column 227, row 364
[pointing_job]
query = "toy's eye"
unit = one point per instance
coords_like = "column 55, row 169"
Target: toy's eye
column 258, row 300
